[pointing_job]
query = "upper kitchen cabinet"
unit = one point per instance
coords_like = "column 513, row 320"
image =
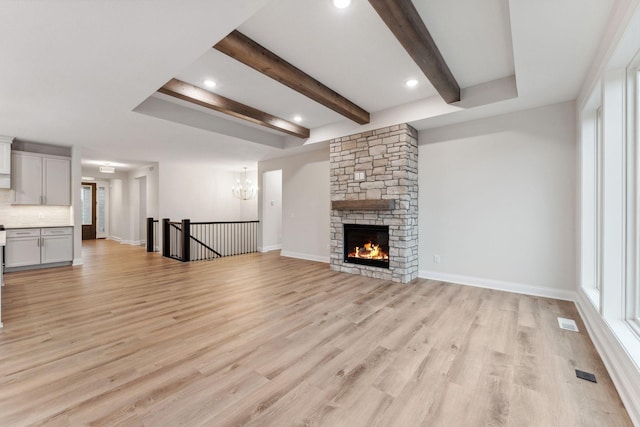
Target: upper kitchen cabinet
column 5, row 161
column 40, row 179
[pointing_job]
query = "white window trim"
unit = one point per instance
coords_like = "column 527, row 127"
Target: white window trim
column 598, row 168
column 590, row 240
column 632, row 285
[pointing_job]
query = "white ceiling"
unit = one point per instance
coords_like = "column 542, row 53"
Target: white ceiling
column 85, row 73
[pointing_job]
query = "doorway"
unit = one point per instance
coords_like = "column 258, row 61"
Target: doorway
column 94, row 199
column 88, row 200
column 272, row 211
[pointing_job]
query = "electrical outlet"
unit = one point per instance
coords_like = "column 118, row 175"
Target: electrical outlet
column 436, row 259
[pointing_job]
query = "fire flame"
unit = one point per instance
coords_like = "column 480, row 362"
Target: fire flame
column 369, row 251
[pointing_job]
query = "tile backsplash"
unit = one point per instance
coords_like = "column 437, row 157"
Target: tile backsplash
column 32, row 216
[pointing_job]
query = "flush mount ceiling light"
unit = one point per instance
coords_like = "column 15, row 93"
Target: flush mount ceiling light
column 341, row 4
column 209, row 83
column 297, row 119
column 107, row 169
column 411, row 83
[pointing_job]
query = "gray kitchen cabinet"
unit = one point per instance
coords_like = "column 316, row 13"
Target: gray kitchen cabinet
column 38, row 246
column 39, row 179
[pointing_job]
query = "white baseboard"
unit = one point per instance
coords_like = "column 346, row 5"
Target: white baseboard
column 518, row 288
column 624, row 372
column 269, row 248
column 308, row 257
column 77, row 261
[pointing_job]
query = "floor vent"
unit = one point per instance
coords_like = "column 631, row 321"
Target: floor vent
column 586, row 376
column 568, row 324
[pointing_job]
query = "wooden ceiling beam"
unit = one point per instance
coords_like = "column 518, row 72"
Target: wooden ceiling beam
column 405, row 23
column 243, row 49
column 195, row 95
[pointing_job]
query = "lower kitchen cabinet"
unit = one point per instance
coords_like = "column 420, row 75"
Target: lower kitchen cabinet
column 38, row 246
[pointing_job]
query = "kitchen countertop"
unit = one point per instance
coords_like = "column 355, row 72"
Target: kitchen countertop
column 19, row 227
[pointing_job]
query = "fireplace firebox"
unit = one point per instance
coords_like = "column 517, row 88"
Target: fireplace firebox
column 366, row 244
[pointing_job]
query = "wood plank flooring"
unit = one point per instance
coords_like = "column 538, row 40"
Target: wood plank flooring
column 133, row 339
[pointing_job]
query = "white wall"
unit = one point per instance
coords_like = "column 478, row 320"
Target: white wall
column 76, row 204
column 136, row 193
column 497, row 202
column 201, row 192
column 271, row 211
column 305, row 203
column 118, row 208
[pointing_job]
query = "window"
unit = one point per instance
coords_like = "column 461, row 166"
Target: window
column 636, row 142
column 85, row 198
column 633, row 293
column 101, row 209
column 591, row 192
column 598, row 198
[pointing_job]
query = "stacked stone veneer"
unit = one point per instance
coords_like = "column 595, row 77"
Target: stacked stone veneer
column 389, row 159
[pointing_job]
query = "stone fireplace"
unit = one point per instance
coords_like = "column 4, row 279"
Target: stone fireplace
column 374, row 182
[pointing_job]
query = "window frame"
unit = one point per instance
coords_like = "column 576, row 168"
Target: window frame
column 632, row 291
column 598, row 168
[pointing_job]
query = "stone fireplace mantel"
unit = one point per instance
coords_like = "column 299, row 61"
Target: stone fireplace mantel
column 363, row 205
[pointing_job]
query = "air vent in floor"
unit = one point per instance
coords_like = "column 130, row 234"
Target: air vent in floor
column 568, row 324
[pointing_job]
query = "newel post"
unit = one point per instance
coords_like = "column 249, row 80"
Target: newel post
column 186, row 240
column 150, row 236
column 166, row 240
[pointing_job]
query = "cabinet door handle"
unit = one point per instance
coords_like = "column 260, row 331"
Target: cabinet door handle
column 38, row 242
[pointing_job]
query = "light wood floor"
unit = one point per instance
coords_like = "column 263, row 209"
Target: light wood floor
column 131, row 338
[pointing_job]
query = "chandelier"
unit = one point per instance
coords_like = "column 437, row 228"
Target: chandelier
column 244, row 190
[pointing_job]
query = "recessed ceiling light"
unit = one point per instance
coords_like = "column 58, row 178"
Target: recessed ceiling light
column 411, row 83
column 297, row 119
column 341, row 4
column 209, row 83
